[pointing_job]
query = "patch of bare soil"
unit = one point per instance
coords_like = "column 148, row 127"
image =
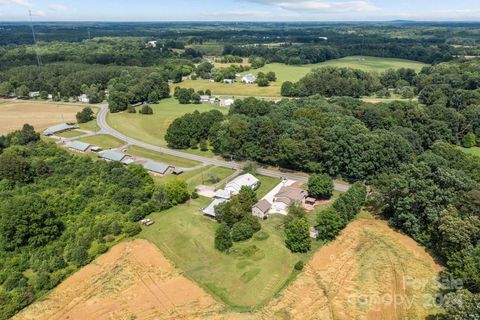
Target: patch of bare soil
column 369, row 272
column 14, row 114
column 132, row 281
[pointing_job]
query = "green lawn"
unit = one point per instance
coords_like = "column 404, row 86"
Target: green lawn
column 152, row 128
column 104, row 141
column 197, row 177
column 475, row 150
column 244, row 279
column 294, row 73
column 161, row 157
column 71, row 134
column 90, row 126
column 266, row 184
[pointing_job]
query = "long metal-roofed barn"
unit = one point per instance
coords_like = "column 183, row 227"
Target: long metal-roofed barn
column 113, row 155
column 59, row 128
column 78, row 146
column 159, row 168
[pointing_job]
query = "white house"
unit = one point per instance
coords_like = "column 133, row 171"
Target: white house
column 205, row 99
column 34, row 94
column 151, row 44
column 83, row 98
column 245, row 180
column 226, row 102
column 249, row 78
column 229, row 81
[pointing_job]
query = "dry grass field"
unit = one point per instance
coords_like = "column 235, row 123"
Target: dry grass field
column 15, row 113
column 132, row 281
column 370, row 272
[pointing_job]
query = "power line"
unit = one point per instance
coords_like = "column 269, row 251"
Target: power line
column 39, row 59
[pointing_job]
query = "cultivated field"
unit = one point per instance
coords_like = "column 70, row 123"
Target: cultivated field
column 369, row 272
column 152, row 128
column 132, row 281
column 294, row 73
column 355, row 277
column 14, row 114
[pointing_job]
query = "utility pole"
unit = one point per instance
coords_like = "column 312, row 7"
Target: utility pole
column 39, row 59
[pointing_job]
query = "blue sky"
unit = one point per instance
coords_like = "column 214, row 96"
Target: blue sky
column 240, row 10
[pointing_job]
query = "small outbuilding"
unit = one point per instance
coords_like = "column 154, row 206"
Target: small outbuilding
column 311, row 201
column 210, row 210
column 261, row 208
column 249, row 79
column 313, row 233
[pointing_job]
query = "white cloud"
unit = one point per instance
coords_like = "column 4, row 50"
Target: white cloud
column 58, row 7
column 22, row 3
column 320, row 6
column 248, row 15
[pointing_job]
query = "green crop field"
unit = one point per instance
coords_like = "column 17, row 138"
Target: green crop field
column 152, row 128
column 251, row 274
column 294, row 73
column 161, row 157
column 104, row 141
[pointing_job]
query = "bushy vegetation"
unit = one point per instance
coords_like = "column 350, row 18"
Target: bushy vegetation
column 85, row 115
column 320, row 186
column 59, row 211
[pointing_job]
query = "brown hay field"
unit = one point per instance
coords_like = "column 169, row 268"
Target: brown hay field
column 15, row 113
column 354, row 277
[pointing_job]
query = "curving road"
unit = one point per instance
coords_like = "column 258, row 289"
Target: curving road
column 105, row 128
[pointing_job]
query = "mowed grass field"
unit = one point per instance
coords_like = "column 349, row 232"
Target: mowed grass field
column 152, row 128
column 294, row 73
column 247, row 277
column 104, row 141
column 14, row 114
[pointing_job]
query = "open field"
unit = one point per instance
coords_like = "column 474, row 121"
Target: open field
column 358, row 275
column 90, row 125
column 132, row 281
column 294, row 73
column 152, row 128
column 71, row 134
column 246, row 278
column 14, row 114
column 161, row 157
column 475, row 150
column 353, row 277
column 104, row 141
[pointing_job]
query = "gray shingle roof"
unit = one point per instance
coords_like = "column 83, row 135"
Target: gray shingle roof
column 263, row 205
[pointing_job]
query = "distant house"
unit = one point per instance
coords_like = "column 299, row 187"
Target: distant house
column 210, row 210
column 226, row 102
column 112, row 155
column 78, row 146
column 261, row 208
column 205, row 99
column 151, row 44
column 245, row 180
column 158, row 168
column 83, row 98
column 34, row 94
column 229, row 81
column 58, row 129
column 290, row 194
column 249, row 78
column 313, row 233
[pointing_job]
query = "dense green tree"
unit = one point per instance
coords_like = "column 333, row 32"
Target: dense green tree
column 297, row 235
column 470, row 140
column 320, row 186
column 146, row 109
column 85, row 115
column 329, row 224
column 241, row 231
column 223, row 239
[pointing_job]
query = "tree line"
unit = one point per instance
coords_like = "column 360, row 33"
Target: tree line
column 59, row 211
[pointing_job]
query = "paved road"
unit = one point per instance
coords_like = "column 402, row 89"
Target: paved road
column 105, row 128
